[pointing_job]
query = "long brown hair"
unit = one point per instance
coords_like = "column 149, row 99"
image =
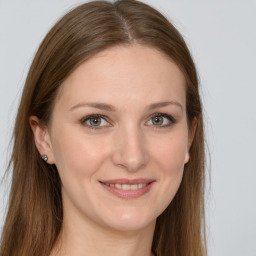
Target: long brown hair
column 34, row 216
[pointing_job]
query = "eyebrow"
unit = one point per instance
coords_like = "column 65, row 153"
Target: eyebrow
column 101, row 106
column 108, row 107
column 164, row 104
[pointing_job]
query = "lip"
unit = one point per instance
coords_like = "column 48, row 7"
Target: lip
column 128, row 194
column 127, row 181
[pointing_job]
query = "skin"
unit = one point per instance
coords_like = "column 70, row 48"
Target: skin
column 127, row 144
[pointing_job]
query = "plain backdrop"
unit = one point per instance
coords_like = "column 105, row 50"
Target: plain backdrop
column 222, row 39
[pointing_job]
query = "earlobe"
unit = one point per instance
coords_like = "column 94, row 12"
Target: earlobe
column 42, row 139
column 187, row 157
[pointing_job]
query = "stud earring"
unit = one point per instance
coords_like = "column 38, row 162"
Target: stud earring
column 44, row 157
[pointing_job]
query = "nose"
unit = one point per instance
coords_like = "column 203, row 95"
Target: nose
column 130, row 151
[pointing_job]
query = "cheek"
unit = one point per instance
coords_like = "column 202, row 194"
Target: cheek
column 171, row 152
column 169, row 159
column 78, row 160
column 78, row 154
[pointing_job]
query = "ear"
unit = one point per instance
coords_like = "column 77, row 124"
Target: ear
column 42, row 139
column 191, row 136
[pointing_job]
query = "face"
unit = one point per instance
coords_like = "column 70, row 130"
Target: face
column 119, row 137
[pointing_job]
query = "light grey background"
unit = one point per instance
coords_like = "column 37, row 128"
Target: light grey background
column 222, row 38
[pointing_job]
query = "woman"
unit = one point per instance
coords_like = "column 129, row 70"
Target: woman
column 108, row 154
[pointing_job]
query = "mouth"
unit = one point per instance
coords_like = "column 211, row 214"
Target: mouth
column 127, row 186
column 124, row 188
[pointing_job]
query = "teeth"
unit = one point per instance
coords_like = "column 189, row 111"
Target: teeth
column 118, row 186
column 134, row 187
column 127, row 186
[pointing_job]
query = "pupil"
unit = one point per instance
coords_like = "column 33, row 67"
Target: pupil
column 158, row 120
column 95, row 121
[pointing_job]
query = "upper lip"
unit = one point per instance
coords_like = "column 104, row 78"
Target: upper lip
column 127, row 181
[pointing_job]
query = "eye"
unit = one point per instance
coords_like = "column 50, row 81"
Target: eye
column 94, row 121
column 161, row 120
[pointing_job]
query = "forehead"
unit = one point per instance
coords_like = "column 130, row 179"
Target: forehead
column 135, row 73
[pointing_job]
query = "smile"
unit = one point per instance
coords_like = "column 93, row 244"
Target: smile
column 127, row 186
column 128, row 189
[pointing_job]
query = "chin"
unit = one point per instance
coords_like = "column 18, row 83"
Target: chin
column 130, row 221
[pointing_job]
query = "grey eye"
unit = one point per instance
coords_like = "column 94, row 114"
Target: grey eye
column 161, row 120
column 95, row 121
column 157, row 120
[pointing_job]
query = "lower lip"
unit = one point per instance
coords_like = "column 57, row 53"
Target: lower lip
column 128, row 194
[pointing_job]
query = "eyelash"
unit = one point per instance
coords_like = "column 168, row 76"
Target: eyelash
column 87, row 118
